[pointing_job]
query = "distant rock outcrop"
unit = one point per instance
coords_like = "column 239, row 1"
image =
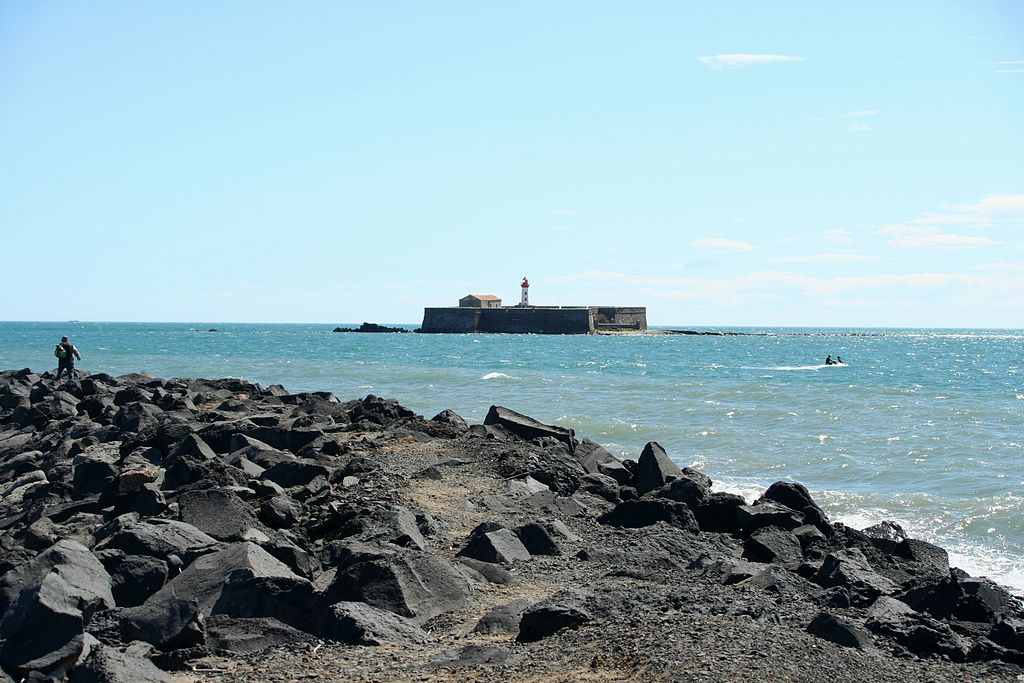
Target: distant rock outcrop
column 370, row 327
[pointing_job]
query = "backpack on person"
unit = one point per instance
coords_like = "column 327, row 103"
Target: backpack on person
column 60, row 352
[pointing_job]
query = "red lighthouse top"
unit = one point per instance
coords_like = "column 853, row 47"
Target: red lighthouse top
column 526, row 283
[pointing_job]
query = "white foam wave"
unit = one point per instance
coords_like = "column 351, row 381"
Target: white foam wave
column 792, row 368
column 497, row 375
column 750, row 491
column 976, row 561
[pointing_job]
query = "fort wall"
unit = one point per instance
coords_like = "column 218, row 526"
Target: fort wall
column 534, row 319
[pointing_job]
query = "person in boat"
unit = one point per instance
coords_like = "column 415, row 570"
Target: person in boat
column 839, row 360
column 829, row 361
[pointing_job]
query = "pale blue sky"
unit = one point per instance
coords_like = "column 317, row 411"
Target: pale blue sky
column 789, row 163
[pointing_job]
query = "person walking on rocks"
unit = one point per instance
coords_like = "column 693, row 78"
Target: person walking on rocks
column 66, row 354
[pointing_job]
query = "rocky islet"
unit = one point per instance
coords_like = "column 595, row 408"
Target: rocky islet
column 148, row 524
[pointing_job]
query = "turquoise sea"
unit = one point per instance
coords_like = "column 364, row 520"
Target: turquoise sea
column 924, row 427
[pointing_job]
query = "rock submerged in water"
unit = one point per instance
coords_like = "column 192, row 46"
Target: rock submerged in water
column 370, row 327
column 218, row 515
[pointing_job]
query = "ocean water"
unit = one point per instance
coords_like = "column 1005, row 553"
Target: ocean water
column 923, row 427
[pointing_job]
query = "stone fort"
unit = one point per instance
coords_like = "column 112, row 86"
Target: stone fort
column 485, row 313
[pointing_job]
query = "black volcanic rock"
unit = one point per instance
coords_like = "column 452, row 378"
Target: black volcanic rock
column 370, row 327
column 309, row 517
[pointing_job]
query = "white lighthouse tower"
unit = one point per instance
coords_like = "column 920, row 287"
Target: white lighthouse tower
column 525, row 301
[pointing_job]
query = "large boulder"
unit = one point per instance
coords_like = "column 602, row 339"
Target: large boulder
column 204, row 579
column 289, row 473
column 136, row 577
column 409, row 583
column 493, row 543
column 217, row 512
column 356, row 623
column 561, row 611
column 840, row 631
column 43, row 629
column 109, row 665
column 767, row 514
column 849, row 569
column 964, row 599
column 773, row 545
column 87, row 581
column 655, row 469
column 596, row 460
column 47, row 604
column 633, row 514
column 528, row 428
column 158, row 538
column 796, row 497
column 924, row 636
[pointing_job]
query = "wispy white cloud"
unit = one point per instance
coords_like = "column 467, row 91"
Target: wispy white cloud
column 1008, row 71
column 903, row 229
column 863, row 113
column 1009, row 61
column 860, row 127
column 836, row 257
column 1011, row 267
column 721, row 244
column 740, row 60
column 838, row 236
column 994, row 204
column 940, row 240
column 997, row 211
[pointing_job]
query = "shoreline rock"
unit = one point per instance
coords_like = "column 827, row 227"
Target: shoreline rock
column 171, row 522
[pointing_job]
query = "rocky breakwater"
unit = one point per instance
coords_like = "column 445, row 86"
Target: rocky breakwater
column 233, row 531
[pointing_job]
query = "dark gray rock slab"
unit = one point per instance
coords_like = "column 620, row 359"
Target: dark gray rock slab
column 503, row 618
column 43, row 628
column 528, row 428
column 964, row 599
column 633, row 514
column 409, row 583
column 542, row 538
column 300, row 472
column 719, row 512
column 281, row 511
column 251, row 635
column 133, row 578
column 488, row 572
column 767, row 514
column 159, row 538
column 108, row 665
column 289, row 599
column 472, row 657
column 357, row 623
column 840, row 631
column 491, row 543
column 924, row 636
column 773, row 545
column 218, row 513
column 551, row 616
column 685, row 490
column 450, row 417
column 86, row 581
column 172, row 623
column 204, row 579
column 796, row 497
column 655, row 468
column 597, row 460
column 850, row 569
